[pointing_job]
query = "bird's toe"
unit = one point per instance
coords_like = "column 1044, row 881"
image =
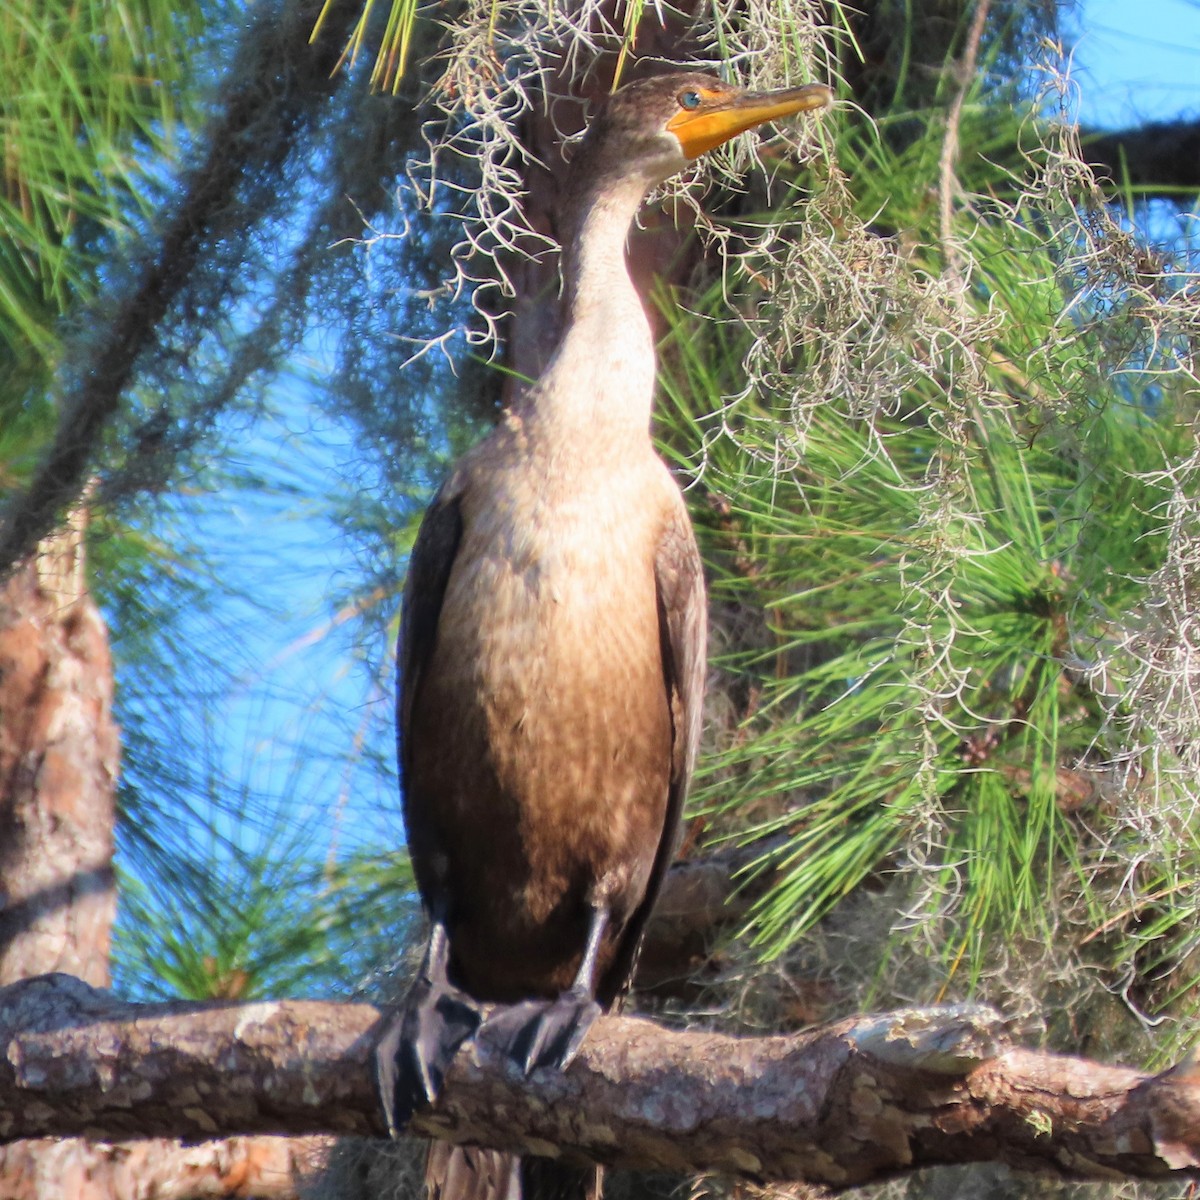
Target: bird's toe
column 417, row 1046
column 542, row 1033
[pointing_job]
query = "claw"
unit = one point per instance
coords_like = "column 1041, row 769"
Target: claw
column 542, row 1033
column 417, row 1046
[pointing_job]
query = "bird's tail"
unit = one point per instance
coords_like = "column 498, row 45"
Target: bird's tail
column 475, row 1173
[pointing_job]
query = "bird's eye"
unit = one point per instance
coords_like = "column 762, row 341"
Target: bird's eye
column 689, row 99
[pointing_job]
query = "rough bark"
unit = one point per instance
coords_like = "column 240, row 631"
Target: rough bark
column 58, row 768
column 851, row 1102
column 267, row 1168
column 58, row 771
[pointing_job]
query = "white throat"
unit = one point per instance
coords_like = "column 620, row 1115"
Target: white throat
column 601, row 375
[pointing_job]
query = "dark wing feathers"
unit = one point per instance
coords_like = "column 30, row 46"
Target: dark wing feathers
column 683, row 625
column 429, row 567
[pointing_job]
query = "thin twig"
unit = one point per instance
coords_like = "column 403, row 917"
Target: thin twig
column 948, row 185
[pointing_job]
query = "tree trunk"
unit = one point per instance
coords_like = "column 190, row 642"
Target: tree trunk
column 58, row 772
column 58, row 769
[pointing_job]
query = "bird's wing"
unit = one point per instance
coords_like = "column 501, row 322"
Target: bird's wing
column 429, row 567
column 416, row 1044
column 683, row 624
column 683, row 627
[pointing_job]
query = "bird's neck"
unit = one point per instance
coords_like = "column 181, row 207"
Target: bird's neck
column 600, row 378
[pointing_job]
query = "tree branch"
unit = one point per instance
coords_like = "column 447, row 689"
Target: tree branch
column 1160, row 158
column 700, row 897
column 861, row 1099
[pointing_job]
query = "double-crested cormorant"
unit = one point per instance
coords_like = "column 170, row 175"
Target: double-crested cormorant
column 552, row 655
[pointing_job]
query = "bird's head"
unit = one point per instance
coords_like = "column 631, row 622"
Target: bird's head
column 657, row 126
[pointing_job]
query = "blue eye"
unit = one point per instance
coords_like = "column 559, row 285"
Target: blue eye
column 689, row 99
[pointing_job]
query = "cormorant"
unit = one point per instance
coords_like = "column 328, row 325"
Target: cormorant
column 552, row 659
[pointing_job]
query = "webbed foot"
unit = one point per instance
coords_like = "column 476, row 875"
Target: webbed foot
column 542, row 1033
column 417, row 1046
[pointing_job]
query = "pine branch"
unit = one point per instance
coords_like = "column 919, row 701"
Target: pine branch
column 275, row 64
column 861, row 1099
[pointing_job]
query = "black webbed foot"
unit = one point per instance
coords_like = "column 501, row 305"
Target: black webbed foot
column 542, row 1033
column 417, row 1045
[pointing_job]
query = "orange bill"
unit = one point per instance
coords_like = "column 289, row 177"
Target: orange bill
column 717, row 119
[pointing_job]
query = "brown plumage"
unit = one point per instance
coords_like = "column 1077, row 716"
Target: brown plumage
column 551, row 659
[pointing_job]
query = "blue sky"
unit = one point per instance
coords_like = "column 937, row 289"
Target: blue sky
column 1136, row 60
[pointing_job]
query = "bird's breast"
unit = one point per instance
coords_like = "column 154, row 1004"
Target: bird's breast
column 541, row 735
column 555, row 576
